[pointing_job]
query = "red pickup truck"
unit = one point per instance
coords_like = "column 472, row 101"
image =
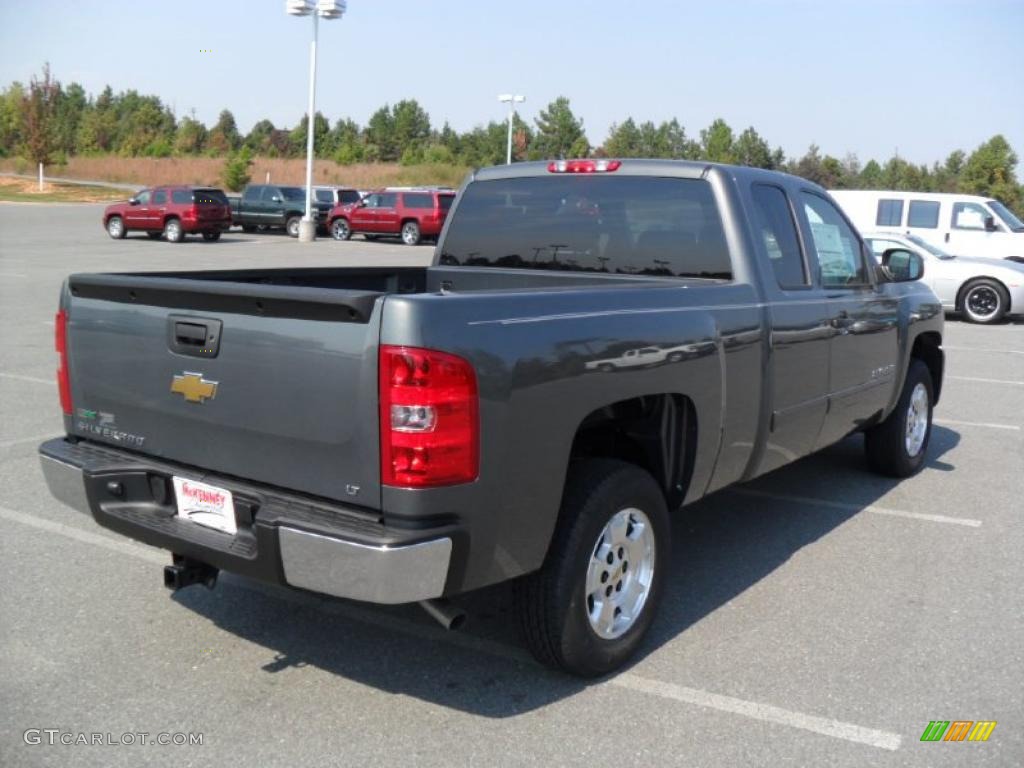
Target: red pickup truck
column 171, row 212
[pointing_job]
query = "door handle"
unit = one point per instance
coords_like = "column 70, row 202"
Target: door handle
column 193, row 336
column 842, row 321
column 947, row 237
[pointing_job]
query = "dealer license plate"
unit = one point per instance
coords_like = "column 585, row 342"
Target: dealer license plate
column 205, row 505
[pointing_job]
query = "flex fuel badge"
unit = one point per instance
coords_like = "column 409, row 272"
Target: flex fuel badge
column 102, row 424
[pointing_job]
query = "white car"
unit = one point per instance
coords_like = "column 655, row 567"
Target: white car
column 966, row 225
column 984, row 290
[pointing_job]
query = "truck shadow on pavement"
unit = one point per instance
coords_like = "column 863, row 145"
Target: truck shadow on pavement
column 722, row 546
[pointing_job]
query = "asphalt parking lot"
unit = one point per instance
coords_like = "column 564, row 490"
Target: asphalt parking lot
column 818, row 616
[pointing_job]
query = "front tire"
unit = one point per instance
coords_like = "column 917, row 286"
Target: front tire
column 292, row 226
column 984, row 301
column 411, row 233
column 173, row 231
column 116, row 228
column 340, row 229
column 588, row 608
column 899, row 445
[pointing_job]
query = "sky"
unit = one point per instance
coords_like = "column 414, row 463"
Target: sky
column 870, row 77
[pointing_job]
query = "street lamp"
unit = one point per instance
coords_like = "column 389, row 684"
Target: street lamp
column 318, row 9
column 508, row 98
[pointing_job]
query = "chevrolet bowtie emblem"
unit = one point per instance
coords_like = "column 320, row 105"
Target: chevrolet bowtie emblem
column 193, row 387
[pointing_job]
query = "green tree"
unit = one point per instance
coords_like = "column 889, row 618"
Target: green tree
column 990, row 171
column 826, row 171
column 559, row 133
column 750, row 149
column 623, row 140
column 716, row 143
column 345, row 142
column 72, row 104
column 190, row 137
column 870, row 176
column 411, row 126
column 321, row 130
column 10, row 118
column 38, row 113
column 380, row 135
column 258, row 139
column 224, row 136
column 236, row 169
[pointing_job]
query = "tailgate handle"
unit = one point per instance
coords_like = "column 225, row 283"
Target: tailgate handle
column 193, row 336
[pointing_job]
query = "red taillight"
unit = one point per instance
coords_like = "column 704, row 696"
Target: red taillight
column 192, row 212
column 61, row 342
column 584, row 166
column 429, row 420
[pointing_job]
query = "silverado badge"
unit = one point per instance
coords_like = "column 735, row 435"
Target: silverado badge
column 193, row 387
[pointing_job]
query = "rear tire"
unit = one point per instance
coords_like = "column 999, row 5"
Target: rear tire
column 588, row 608
column 116, row 228
column 211, row 237
column 292, row 226
column 984, row 301
column 173, row 231
column 411, row 233
column 898, row 446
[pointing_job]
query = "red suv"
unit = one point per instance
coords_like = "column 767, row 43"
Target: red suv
column 171, row 212
column 413, row 214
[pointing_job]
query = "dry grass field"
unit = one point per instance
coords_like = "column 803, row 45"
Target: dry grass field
column 207, row 170
column 24, row 191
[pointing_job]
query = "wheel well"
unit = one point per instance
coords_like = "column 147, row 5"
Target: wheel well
column 410, row 220
column 928, row 349
column 963, row 289
column 655, row 432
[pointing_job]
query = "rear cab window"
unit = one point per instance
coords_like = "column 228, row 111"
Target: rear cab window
column 632, row 225
column 776, row 229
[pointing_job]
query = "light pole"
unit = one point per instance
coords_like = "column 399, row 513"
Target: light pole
column 318, row 9
column 508, row 98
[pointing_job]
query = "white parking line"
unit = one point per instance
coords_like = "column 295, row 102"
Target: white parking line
column 32, row 379
column 987, row 381
column 858, row 507
column 768, row 713
column 984, row 349
column 20, row 441
column 956, row 423
column 764, row 712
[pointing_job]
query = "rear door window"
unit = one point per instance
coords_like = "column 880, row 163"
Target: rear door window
column 387, row 200
column 417, row 200
column 777, row 232
column 923, row 214
column 160, row 197
column 181, row 196
column 890, row 213
column 631, row 225
column 252, row 194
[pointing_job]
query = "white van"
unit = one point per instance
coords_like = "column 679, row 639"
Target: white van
column 966, row 225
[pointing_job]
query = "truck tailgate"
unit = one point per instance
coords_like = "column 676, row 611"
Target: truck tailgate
column 268, row 382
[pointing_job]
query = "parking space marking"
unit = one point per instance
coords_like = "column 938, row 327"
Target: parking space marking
column 858, row 507
column 23, row 440
column 32, row 379
column 987, row 381
column 768, row 713
column 985, row 349
column 764, row 712
column 955, row 423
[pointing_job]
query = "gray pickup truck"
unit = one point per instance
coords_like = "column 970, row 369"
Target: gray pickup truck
column 409, row 434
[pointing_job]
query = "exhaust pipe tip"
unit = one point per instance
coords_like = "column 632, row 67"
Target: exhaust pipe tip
column 444, row 613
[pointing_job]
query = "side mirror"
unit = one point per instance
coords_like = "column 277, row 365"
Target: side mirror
column 275, row 199
column 133, row 201
column 990, row 224
column 904, row 266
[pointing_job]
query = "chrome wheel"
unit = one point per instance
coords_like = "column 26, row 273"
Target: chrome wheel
column 340, row 230
column 917, row 421
column 620, row 573
column 982, row 302
column 172, row 231
column 115, row 227
column 292, row 226
column 410, row 233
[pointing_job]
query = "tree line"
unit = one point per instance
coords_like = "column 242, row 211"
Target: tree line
column 47, row 122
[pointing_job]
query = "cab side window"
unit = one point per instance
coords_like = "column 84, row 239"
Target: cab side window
column 969, row 216
column 777, row 232
column 160, row 197
column 372, row 201
column 143, row 197
column 835, row 244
